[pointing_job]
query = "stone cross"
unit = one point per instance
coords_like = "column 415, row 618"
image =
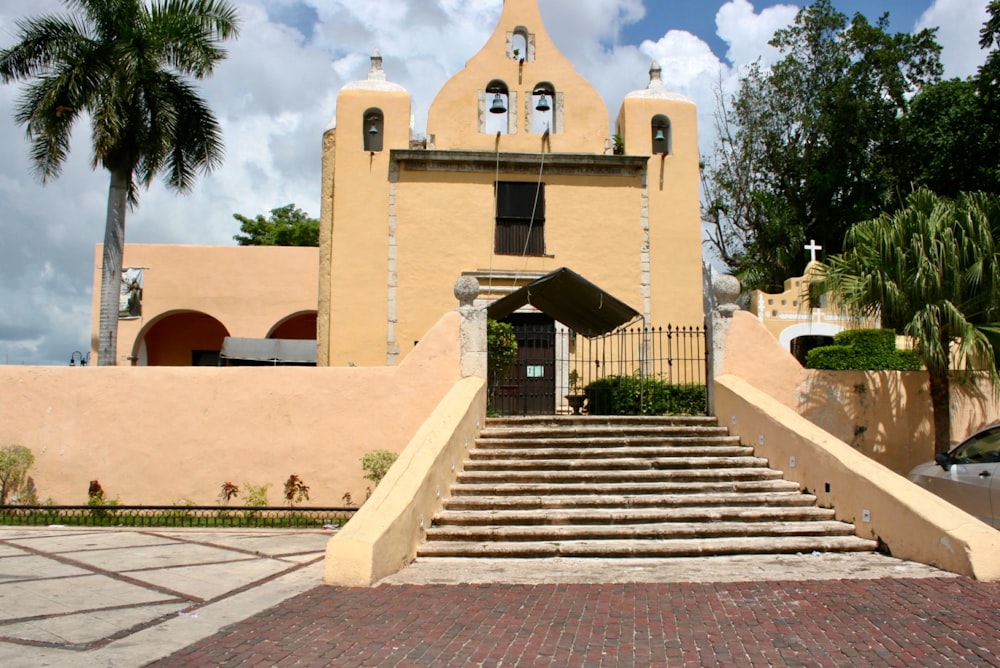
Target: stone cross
column 812, row 247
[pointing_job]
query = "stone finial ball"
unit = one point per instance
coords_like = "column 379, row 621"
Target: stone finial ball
column 727, row 289
column 466, row 290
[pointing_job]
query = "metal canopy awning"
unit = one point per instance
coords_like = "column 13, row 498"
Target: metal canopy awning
column 572, row 300
column 274, row 351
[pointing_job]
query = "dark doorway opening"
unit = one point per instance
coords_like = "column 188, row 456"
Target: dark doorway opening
column 801, row 346
column 529, row 387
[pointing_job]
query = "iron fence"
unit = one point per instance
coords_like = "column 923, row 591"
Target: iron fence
column 557, row 367
column 263, row 517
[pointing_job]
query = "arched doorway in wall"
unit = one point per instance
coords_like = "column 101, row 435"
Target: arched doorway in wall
column 180, row 338
column 800, row 346
column 800, row 339
column 300, row 326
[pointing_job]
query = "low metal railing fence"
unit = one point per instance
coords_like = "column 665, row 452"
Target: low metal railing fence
column 263, row 517
column 555, row 366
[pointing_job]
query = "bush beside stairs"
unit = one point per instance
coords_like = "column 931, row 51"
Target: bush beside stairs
column 625, row 487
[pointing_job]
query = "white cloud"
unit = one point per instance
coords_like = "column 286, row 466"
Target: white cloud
column 690, row 67
column 747, row 32
column 958, row 23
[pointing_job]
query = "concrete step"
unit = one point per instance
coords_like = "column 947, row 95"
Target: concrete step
column 626, row 476
column 646, row 548
column 625, row 487
column 586, row 451
column 616, row 464
column 612, row 515
column 574, row 422
column 632, row 488
column 551, row 501
column 557, row 433
column 653, row 531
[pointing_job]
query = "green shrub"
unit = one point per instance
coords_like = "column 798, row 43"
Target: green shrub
column 99, row 503
column 256, row 495
column 501, row 347
column 15, row 460
column 376, row 464
column 626, row 395
column 863, row 350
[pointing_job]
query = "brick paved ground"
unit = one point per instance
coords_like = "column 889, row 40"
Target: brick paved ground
column 888, row 622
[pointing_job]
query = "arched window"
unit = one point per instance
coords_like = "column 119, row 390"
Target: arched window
column 543, row 108
column 497, row 116
column 373, row 129
column 519, row 43
column 661, row 135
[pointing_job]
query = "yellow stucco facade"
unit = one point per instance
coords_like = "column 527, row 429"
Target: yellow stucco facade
column 518, row 143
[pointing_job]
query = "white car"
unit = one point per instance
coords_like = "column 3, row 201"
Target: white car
column 967, row 476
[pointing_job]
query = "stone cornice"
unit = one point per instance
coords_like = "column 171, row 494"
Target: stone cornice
column 588, row 164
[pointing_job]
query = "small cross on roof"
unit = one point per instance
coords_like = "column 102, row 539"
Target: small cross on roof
column 812, row 247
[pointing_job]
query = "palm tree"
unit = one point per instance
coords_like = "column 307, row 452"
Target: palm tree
column 124, row 63
column 932, row 272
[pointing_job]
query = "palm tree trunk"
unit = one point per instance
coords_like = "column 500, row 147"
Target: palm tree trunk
column 111, row 269
column 941, row 409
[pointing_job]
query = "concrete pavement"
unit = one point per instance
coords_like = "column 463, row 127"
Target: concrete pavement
column 128, row 598
column 122, row 597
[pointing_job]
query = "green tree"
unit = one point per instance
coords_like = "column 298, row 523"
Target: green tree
column 948, row 140
column 931, row 271
column 988, row 83
column 501, row 347
column 377, row 463
column 808, row 147
column 125, row 64
column 286, row 226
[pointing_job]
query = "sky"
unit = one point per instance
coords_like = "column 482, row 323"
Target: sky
column 276, row 94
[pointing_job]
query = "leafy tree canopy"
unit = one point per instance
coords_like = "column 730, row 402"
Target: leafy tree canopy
column 949, row 140
column 286, row 226
column 809, row 147
column 931, row 271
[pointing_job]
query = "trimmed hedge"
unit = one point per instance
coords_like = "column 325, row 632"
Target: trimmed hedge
column 863, row 350
column 620, row 395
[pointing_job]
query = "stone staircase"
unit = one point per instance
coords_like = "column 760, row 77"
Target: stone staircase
column 625, row 487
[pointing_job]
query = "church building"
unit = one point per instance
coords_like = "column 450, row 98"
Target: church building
column 520, row 174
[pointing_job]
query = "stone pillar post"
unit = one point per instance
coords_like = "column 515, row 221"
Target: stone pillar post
column 726, row 290
column 473, row 328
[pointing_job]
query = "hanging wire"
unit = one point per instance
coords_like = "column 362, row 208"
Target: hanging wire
column 531, row 222
column 496, row 214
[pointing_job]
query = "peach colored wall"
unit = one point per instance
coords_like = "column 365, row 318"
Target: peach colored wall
column 674, row 209
column 248, row 289
column 913, row 523
column 449, row 229
column 359, row 225
column 883, row 414
column 165, row 434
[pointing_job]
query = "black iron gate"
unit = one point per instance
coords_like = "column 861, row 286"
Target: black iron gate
column 555, row 365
